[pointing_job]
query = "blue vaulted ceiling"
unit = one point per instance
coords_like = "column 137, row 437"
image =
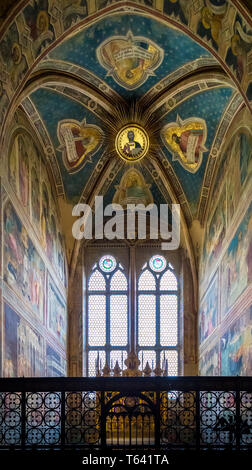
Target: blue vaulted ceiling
column 79, row 52
column 54, row 107
column 178, row 48
column 210, row 106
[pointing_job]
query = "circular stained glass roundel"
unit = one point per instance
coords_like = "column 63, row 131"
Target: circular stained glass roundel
column 157, row 263
column 107, row 263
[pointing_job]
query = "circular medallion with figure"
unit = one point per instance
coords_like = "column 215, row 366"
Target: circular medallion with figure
column 132, row 143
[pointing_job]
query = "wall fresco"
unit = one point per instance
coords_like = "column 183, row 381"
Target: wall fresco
column 23, row 347
column 55, row 363
column 24, row 270
column 233, row 251
column 215, row 233
column 56, row 313
column 28, row 177
column 208, row 313
column 232, row 178
column 209, row 363
column 237, row 264
column 33, row 247
column 236, row 346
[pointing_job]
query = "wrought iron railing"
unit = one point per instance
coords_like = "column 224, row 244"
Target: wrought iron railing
column 125, row 412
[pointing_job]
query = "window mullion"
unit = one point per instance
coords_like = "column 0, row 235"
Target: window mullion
column 107, row 345
column 157, row 321
column 132, row 299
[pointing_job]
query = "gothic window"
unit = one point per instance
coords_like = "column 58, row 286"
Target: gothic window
column 151, row 326
column 157, row 315
column 107, row 314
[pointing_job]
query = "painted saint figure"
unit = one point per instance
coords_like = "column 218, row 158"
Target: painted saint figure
column 132, row 147
column 189, row 143
column 129, row 59
column 79, row 141
column 186, row 139
column 133, row 190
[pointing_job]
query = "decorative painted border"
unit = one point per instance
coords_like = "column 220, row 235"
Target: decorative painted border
column 173, row 77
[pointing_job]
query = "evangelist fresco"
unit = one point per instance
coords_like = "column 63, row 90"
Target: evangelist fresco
column 236, row 347
column 185, row 140
column 129, row 59
column 208, row 313
column 55, row 364
column 237, row 263
column 56, row 313
column 132, row 190
column 23, row 347
column 209, row 362
column 24, row 270
column 79, row 141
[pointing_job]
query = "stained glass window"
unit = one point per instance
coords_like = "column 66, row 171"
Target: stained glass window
column 107, row 263
column 157, row 263
column 157, row 315
column 146, row 320
column 107, row 315
column 146, row 281
column 154, row 323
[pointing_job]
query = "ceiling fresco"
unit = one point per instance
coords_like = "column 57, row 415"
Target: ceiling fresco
column 183, row 66
column 53, row 109
column 130, row 52
column 208, row 106
column 136, row 188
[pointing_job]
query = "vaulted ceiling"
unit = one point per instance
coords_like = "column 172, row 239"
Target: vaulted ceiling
column 162, row 64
